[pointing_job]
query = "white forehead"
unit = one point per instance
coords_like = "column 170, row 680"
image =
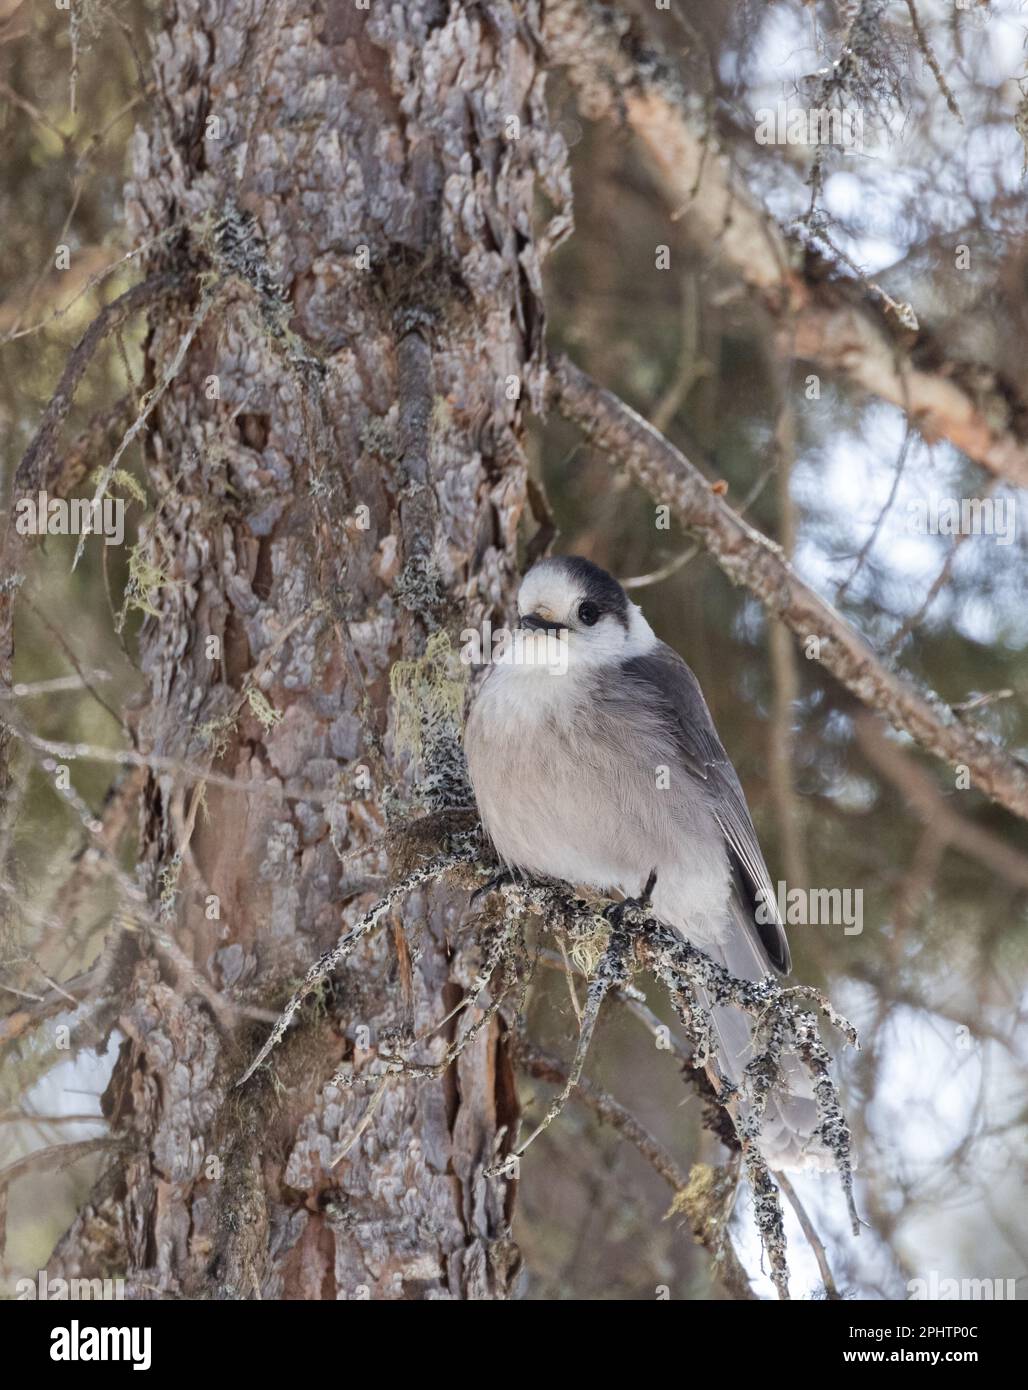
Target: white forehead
column 551, row 587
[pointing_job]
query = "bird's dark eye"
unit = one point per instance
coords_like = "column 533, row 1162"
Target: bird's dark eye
column 588, row 613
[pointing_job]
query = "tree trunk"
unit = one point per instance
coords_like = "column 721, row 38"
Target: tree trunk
column 336, row 458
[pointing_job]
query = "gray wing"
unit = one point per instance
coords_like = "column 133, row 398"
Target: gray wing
column 665, row 681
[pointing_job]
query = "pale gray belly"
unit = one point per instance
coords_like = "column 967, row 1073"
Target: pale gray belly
column 571, row 799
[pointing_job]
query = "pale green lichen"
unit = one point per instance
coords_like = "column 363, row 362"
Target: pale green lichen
column 215, row 734
column 263, row 711
column 130, row 485
column 587, row 947
column 428, row 704
column 145, row 577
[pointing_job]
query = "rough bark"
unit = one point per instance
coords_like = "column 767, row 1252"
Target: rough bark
column 399, row 388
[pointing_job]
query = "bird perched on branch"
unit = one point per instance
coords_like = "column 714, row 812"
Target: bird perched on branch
column 606, row 766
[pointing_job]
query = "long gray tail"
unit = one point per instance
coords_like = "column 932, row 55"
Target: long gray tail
column 787, row 1138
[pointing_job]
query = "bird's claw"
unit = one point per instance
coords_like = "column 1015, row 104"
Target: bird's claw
column 497, row 881
column 615, row 913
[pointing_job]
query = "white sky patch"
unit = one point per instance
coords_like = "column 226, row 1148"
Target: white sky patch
column 843, row 487
column 844, row 194
column 886, row 195
column 73, row 1086
column 992, row 156
column 924, row 1106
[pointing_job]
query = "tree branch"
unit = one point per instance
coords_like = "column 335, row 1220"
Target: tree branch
column 752, row 561
column 832, row 322
column 927, row 801
column 33, row 468
column 545, row 1067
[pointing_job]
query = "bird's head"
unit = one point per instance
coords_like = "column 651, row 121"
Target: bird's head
column 568, row 594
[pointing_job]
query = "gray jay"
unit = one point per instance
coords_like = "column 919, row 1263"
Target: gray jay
column 611, row 767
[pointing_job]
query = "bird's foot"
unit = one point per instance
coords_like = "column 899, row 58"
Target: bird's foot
column 615, row 913
column 490, row 885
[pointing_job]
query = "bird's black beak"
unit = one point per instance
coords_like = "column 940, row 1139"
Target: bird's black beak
column 539, row 624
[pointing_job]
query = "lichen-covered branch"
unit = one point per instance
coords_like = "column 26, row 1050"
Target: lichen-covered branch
column 783, row 1022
